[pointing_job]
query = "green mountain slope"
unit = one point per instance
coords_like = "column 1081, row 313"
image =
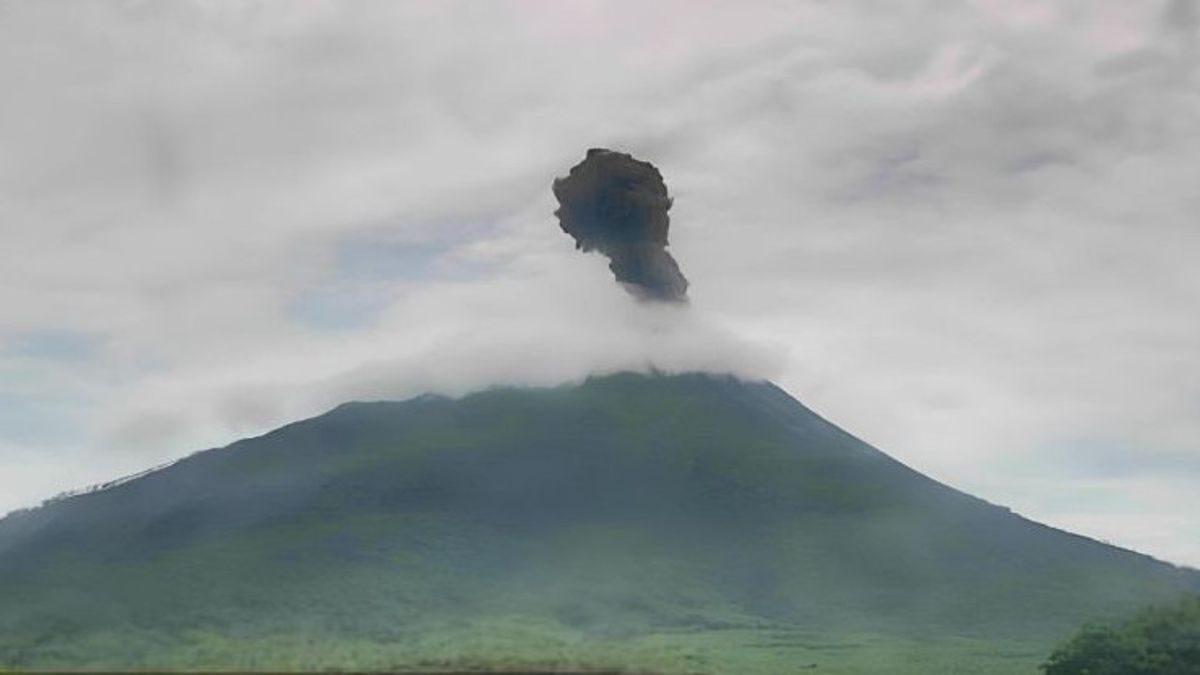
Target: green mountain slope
column 687, row 523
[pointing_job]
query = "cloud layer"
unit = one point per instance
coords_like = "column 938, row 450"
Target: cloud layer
column 973, row 224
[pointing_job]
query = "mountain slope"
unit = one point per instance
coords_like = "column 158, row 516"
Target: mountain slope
column 641, row 521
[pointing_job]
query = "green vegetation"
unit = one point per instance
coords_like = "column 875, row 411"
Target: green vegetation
column 666, row 524
column 515, row 644
column 1159, row 641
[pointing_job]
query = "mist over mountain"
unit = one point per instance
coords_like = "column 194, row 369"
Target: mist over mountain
column 666, row 517
column 969, row 223
column 690, row 523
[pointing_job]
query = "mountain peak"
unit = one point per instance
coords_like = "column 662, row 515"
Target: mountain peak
column 621, row 508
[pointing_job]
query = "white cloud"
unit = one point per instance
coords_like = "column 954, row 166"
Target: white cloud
column 965, row 232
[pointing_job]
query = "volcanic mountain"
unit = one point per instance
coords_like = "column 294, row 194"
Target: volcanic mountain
column 688, row 523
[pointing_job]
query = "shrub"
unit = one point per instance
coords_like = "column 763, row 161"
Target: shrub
column 1159, row 641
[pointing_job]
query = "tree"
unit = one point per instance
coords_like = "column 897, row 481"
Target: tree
column 1159, row 641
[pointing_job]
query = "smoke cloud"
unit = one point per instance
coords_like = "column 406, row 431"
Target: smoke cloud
column 617, row 205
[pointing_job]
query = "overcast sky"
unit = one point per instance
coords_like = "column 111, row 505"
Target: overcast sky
column 964, row 231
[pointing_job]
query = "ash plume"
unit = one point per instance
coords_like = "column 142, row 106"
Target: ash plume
column 617, row 205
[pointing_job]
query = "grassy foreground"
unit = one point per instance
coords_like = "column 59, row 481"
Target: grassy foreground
column 538, row 646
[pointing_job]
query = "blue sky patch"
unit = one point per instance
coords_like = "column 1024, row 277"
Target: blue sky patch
column 38, row 420
column 54, row 345
column 340, row 307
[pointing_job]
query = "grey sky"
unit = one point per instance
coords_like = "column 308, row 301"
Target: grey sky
column 965, row 231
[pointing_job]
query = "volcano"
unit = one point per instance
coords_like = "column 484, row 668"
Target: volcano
column 685, row 523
